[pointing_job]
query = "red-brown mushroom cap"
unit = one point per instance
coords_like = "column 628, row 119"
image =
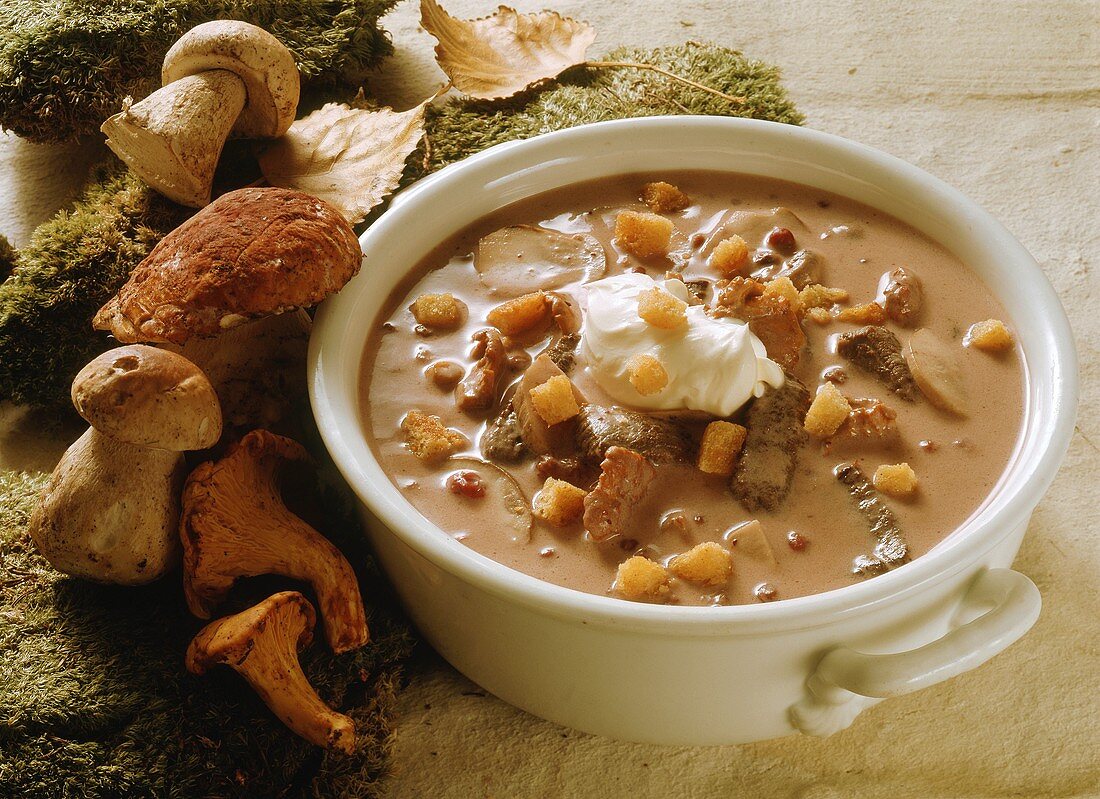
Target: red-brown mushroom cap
column 251, row 253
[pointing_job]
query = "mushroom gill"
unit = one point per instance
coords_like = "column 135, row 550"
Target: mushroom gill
column 235, row 524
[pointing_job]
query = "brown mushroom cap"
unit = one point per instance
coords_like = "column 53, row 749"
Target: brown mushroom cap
column 251, row 253
column 262, row 644
column 148, row 397
column 260, row 60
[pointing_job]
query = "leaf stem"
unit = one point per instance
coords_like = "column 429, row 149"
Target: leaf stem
column 662, row 71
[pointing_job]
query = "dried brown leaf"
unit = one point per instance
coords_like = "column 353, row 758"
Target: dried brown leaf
column 348, row 157
column 498, row 56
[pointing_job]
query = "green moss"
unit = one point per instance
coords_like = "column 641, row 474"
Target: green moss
column 76, row 261
column 7, row 258
column 95, row 702
column 459, row 129
column 65, row 65
column 72, row 265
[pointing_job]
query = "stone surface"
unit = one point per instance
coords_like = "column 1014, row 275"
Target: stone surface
column 1000, row 101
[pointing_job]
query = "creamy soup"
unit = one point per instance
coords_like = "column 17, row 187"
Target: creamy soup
column 693, row 388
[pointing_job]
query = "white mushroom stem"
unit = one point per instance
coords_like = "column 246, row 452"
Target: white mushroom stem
column 110, row 511
column 258, row 369
column 174, row 137
column 219, row 78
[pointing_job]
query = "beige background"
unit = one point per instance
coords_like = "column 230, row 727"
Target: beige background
column 999, row 99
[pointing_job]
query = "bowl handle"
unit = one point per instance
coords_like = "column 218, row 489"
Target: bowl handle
column 999, row 607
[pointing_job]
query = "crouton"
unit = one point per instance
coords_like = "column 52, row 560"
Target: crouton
column 554, row 400
column 819, row 315
column 783, row 287
column 529, row 312
column 559, row 503
column 646, row 374
column 427, row 437
column 708, row 563
column 664, row 198
column 818, row 296
column 439, row 311
column 661, row 309
column 827, row 412
column 641, row 579
column 750, row 541
column 730, row 256
column 719, row 447
column 896, row 480
column 869, row 313
column 643, row 235
column 990, row 336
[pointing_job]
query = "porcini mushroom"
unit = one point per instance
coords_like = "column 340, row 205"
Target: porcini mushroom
column 258, row 369
column 111, row 509
column 262, row 645
column 235, row 524
column 219, row 78
column 252, row 253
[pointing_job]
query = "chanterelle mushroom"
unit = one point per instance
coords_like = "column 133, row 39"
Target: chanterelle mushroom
column 251, row 253
column 235, row 524
column 221, row 77
column 262, row 645
column 111, row 509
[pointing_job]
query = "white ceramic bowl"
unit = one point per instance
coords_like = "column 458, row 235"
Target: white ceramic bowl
column 704, row 675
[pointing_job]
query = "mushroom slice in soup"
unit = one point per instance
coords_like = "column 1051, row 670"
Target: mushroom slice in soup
column 753, row 227
column 525, row 258
column 502, row 487
column 936, row 371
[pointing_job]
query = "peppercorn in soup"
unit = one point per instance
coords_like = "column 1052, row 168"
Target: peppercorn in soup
column 693, row 388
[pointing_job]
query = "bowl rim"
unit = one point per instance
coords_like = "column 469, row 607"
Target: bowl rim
column 1042, row 442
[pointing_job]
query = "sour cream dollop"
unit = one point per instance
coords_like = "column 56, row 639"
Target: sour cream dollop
column 713, row 365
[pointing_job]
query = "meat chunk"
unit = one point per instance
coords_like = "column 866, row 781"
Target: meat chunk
column 698, row 289
column 891, row 550
column 571, row 470
column 903, row 297
column 565, row 315
column 563, row 351
column 877, row 351
column 803, row 268
column 477, row 391
column 762, row 477
column 871, row 426
column 502, row 440
column 774, row 321
column 599, row 428
column 731, row 296
column 625, row 476
column 771, row 317
column 870, row 420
